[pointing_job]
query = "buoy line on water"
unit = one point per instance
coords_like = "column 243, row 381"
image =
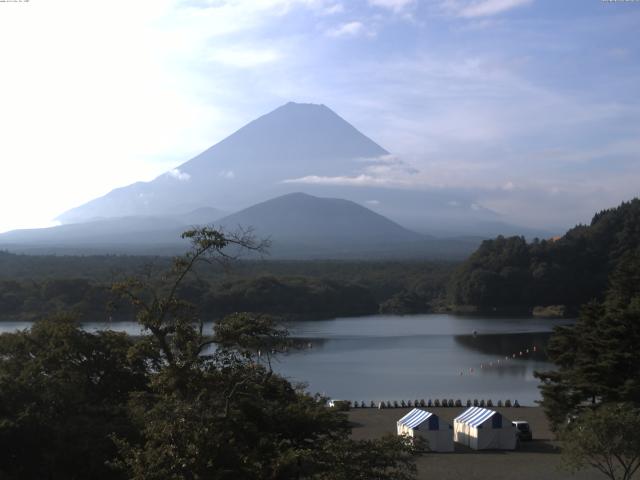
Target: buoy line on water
column 500, row 362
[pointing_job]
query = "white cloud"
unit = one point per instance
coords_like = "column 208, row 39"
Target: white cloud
column 373, row 202
column 333, row 9
column 228, row 174
column 482, row 8
column 356, row 181
column 245, row 57
column 395, row 5
column 351, row 29
column 388, row 159
column 508, row 186
column 178, row 175
column 224, row 17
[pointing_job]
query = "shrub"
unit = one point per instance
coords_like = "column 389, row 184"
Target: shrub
column 507, row 403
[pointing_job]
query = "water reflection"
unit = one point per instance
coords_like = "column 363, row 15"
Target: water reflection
column 385, row 357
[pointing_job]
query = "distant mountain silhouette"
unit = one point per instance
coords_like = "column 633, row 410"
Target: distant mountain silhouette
column 302, row 217
column 109, row 231
column 248, row 166
column 199, row 216
column 296, row 147
column 304, row 226
column 299, row 226
column 112, row 234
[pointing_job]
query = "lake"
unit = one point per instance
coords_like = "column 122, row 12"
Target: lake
column 388, row 357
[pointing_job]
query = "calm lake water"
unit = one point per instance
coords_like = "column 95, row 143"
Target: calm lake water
column 386, row 357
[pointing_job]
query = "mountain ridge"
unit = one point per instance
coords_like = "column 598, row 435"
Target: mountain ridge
column 310, row 217
column 246, row 167
column 299, row 225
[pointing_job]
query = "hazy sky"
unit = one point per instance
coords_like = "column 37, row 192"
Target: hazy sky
column 532, row 105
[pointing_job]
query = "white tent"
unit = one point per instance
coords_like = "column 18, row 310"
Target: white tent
column 427, row 425
column 482, row 429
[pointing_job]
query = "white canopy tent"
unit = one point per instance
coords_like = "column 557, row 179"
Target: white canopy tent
column 428, row 426
column 483, row 429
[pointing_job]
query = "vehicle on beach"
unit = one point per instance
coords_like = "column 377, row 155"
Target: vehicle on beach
column 523, row 430
column 341, row 405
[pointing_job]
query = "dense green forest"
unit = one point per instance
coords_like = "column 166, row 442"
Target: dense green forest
column 32, row 287
column 570, row 271
column 78, row 405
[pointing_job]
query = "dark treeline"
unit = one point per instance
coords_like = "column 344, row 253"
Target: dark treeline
column 570, row 271
column 597, row 358
column 34, row 286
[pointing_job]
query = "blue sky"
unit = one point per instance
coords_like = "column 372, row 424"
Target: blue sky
column 530, row 106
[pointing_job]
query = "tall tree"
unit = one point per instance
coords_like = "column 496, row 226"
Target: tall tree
column 606, row 439
column 222, row 413
column 598, row 358
column 63, row 392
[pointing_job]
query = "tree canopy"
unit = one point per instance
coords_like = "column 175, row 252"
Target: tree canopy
column 606, row 439
column 571, row 270
column 598, row 357
column 179, row 403
column 63, row 392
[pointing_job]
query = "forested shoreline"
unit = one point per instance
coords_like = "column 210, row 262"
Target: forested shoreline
column 511, row 274
column 32, row 287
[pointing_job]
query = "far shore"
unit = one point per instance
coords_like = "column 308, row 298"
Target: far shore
column 553, row 312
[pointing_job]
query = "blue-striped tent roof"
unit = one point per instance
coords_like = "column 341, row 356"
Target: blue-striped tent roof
column 415, row 418
column 475, row 416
